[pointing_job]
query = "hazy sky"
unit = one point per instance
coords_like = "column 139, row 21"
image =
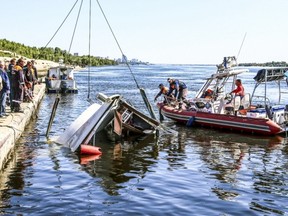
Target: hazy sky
column 157, row 31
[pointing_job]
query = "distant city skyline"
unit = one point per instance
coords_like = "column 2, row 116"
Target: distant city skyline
column 159, row 31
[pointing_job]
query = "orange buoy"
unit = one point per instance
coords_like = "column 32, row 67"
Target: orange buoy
column 90, row 150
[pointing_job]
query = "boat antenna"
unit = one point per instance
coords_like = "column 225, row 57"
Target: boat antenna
column 241, row 47
column 89, row 53
column 142, row 91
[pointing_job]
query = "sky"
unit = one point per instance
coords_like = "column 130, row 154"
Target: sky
column 155, row 31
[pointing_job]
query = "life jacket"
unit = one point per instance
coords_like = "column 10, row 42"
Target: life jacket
column 164, row 90
column 17, row 75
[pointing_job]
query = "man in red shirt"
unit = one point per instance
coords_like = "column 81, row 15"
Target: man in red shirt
column 239, row 91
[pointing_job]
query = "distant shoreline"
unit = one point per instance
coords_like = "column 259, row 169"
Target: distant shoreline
column 266, row 64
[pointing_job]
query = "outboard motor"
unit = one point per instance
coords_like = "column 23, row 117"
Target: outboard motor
column 63, row 86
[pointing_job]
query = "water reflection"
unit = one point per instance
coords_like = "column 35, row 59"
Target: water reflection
column 12, row 176
column 225, row 155
column 121, row 161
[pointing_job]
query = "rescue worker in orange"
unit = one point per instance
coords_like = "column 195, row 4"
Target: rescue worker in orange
column 239, row 91
column 163, row 91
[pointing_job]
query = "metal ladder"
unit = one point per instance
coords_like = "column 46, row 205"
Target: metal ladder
column 126, row 115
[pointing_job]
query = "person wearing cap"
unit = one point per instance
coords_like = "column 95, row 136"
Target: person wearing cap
column 180, row 90
column 4, row 91
column 163, row 91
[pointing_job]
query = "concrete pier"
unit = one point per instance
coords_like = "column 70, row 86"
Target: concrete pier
column 12, row 126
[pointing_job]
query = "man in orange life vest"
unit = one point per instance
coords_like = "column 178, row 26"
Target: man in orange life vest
column 180, row 91
column 163, row 90
column 239, row 91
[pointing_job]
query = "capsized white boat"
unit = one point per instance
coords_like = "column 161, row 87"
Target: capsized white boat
column 114, row 113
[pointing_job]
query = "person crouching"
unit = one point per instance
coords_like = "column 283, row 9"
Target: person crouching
column 180, row 91
column 163, row 91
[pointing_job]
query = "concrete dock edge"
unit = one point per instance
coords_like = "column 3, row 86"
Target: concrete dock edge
column 12, row 126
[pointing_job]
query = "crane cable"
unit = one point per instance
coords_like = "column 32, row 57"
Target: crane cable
column 75, row 26
column 142, row 91
column 89, row 52
column 124, row 57
column 61, row 24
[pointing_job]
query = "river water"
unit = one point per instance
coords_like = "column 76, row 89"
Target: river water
column 195, row 172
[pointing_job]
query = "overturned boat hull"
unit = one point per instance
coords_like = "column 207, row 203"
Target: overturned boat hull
column 114, row 112
column 95, row 118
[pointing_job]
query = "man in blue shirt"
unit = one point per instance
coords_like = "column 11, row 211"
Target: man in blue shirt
column 180, row 91
column 5, row 90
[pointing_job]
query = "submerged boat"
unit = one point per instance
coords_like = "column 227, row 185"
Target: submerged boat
column 214, row 106
column 114, row 114
column 60, row 79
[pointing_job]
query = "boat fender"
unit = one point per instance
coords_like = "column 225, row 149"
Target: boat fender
column 191, row 121
column 90, row 150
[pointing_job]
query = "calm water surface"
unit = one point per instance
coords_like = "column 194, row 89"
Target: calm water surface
column 197, row 172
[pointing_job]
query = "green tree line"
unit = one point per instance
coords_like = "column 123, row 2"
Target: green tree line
column 267, row 64
column 51, row 54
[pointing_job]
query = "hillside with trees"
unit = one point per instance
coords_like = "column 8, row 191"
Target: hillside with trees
column 11, row 49
column 267, row 64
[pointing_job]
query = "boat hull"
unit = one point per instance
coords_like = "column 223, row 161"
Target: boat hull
column 52, row 91
column 263, row 126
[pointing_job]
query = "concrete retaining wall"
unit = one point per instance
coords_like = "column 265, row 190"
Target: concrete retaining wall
column 12, row 126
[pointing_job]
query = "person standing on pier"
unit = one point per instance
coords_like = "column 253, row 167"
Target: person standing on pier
column 9, row 72
column 17, row 85
column 4, row 91
column 35, row 72
column 29, row 81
